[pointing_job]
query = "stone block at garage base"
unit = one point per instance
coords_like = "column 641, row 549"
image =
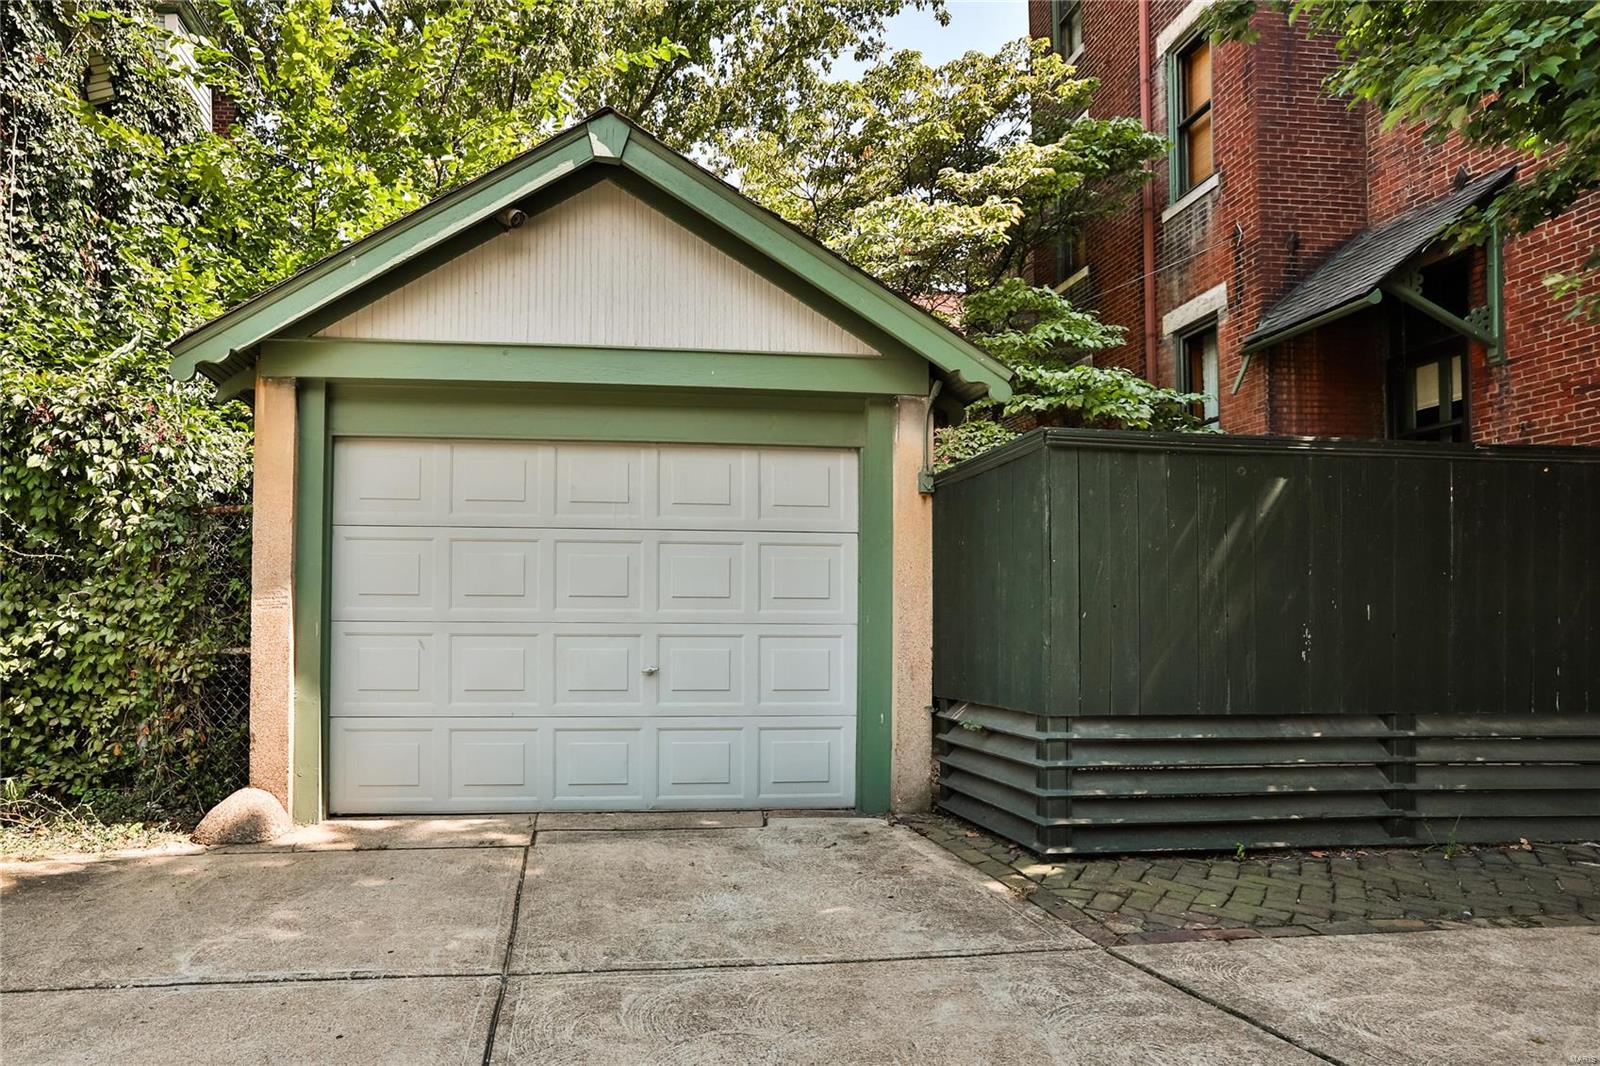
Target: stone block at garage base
column 249, row 816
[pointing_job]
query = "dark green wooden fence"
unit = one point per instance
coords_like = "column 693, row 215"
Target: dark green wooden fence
column 1168, row 641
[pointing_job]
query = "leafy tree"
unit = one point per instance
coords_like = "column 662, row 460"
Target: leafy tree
column 356, row 113
column 110, row 601
column 1522, row 75
column 941, row 181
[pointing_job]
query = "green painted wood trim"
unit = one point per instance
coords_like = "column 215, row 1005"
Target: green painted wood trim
column 1440, row 314
column 367, row 259
column 770, row 235
column 1175, row 167
column 1267, row 341
column 1494, row 253
column 224, row 345
column 608, row 136
column 362, row 360
column 237, row 384
column 326, row 412
column 591, row 414
column 312, row 544
column 874, row 695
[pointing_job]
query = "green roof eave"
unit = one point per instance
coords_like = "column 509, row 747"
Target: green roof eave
column 224, row 347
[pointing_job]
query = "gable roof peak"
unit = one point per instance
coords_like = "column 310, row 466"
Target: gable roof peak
column 226, row 346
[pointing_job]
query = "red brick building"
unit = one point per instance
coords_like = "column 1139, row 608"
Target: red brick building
column 1286, row 259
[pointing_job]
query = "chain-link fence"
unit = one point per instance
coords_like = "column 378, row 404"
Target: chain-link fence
column 222, row 700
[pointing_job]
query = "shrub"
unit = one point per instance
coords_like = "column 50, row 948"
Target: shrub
column 113, row 602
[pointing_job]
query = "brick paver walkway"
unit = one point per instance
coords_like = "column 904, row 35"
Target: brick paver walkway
column 1153, row 898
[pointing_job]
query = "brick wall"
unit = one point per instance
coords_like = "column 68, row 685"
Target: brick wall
column 1548, row 389
column 224, row 112
column 1300, row 174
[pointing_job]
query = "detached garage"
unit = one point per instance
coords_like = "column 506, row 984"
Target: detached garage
column 590, row 486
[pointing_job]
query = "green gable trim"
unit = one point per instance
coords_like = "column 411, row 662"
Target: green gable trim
column 721, row 204
column 366, row 360
column 608, row 136
column 228, row 344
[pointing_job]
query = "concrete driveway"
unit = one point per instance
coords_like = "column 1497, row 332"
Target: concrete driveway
column 696, row 939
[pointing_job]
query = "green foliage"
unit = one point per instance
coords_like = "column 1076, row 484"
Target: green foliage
column 1022, row 324
column 1522, row 75
column 940, row 180
column 112, row 604
column 952, row 444
column 1095, row 397
column 355, row 114
column 111, row 601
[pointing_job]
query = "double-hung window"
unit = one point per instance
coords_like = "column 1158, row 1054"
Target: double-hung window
column 1197, row 370
column 1067, row 26
column 1189, row 110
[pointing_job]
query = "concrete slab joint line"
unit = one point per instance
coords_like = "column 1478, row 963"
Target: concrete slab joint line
column 801, row 939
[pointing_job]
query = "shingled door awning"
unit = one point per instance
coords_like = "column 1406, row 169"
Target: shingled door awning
column 1353, row 275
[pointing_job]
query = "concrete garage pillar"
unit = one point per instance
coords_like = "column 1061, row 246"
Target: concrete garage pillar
column 911, row 685
column 272, row 588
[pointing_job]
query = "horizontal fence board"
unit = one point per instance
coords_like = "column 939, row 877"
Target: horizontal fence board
column 1180, row 784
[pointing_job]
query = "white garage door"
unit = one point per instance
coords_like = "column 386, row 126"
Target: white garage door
column 520, row 626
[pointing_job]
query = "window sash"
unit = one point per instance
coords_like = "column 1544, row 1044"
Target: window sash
column 1182, row 118
column 1067, row 17
column 1200, row 348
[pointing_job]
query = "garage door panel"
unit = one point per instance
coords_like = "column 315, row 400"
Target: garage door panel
column 495, row 670
column 468, row 765
column 715, row 488
column 494, row 576
column 601, row 671
column 555, row 669
column 702, row 765
column 597, row 481
column 511, row 483
column 392, row 670
column 599, row 764
column 810, row 762
column 807, row 580
column 384, row 766
column 385, row 573
column 500, row 483
column 488, row 764
column 804, row 489
column 807, row 672
column 702, row 578
column 704, row 671
column 389, row 482
column 599, row 574
column 457, row 574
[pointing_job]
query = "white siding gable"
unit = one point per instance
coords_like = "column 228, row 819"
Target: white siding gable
column 602, row 268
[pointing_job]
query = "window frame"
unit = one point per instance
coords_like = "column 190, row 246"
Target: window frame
column 1060, row 12
column 1179, row 123
column 1183, row 376
column 1442, row 350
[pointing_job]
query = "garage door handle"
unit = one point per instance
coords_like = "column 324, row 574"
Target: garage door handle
column 649, row 671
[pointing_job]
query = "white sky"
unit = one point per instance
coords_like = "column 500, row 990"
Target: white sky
column 981, row 25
